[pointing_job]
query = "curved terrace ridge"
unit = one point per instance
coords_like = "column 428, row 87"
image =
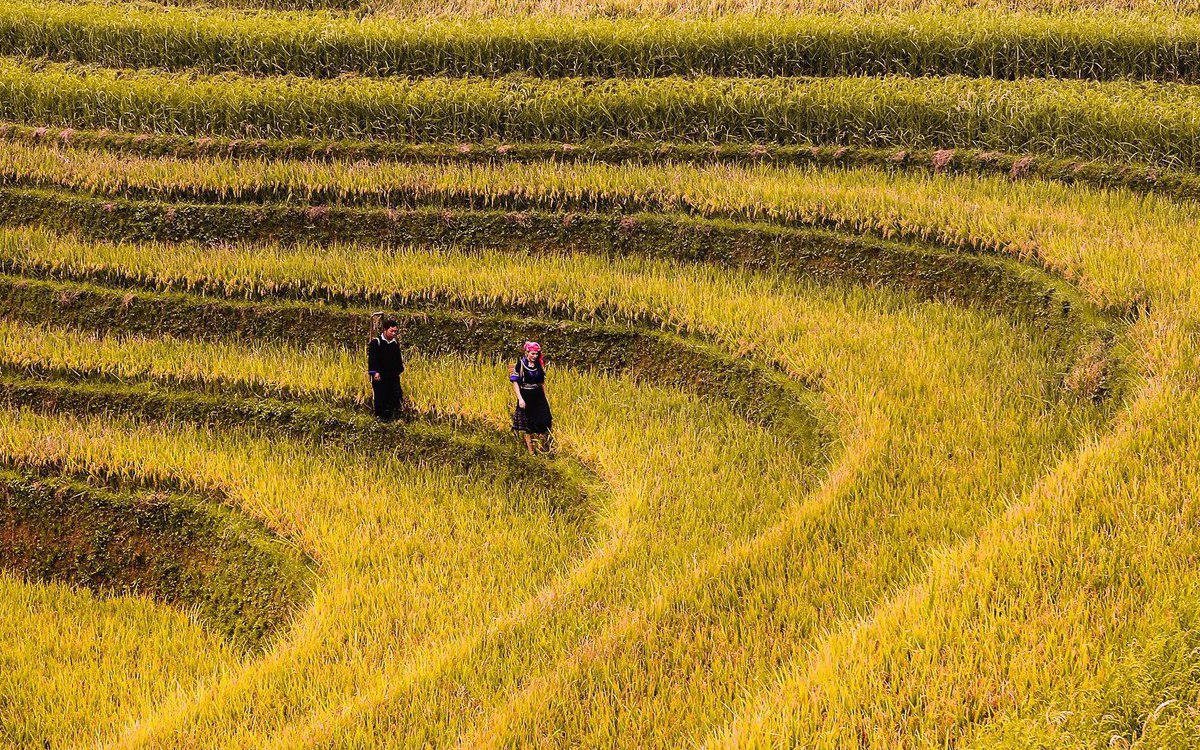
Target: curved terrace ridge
column 422, row 438
column 1141, row 178
column 757, row 392
column 605, row 180
column 1003, row 285
column 178, row 545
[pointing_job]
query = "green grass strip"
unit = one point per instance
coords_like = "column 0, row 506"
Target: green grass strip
column 1099, row 46
column 1154, row 123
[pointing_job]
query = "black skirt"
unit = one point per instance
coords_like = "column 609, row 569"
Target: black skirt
column 535, row 417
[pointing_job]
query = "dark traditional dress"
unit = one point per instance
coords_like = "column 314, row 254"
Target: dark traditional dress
column 535, row 418
column 384, row 359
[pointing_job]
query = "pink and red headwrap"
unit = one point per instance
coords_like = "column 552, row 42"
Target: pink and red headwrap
column 533, row 347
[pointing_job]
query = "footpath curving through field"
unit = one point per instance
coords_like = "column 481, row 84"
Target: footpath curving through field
column 861, row 440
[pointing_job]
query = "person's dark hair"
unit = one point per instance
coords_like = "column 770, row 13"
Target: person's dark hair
column 389, row 324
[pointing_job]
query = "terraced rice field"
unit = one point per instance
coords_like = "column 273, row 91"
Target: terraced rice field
column 874, row 343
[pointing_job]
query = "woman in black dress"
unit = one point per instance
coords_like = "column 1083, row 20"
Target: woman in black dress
column 532, row 415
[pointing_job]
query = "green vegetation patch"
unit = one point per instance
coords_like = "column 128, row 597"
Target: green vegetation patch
column 182, row 547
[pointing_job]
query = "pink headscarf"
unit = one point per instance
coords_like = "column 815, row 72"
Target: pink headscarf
column 534, row 349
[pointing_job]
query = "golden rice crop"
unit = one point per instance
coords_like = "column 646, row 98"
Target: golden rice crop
column 1013, row 45
column 1120, row 246
column 425, row 692
column 980, row 558
column 1155, row 123
column 105, row 642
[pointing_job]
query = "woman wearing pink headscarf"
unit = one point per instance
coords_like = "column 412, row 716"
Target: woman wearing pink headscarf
column 532, row 415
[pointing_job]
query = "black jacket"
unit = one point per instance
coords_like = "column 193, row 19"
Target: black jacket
column 384, row 358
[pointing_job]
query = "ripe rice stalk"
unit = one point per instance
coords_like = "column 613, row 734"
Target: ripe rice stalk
column 1152, row 123
column 655, row 552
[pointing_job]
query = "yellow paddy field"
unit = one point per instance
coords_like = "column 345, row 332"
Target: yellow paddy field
column 874, row 353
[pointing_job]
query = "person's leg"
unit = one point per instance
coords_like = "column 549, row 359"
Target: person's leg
column 396, row 395
column 379, row 399
column 529, row 442
column 391, row 399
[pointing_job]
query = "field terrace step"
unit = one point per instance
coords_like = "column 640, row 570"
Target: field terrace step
column 418, row 438
column 1018, row 166
column 756, row 391
column 1151, row 123
column 179, row 545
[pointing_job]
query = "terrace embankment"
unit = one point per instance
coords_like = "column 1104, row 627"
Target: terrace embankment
column 419, row 439
column 1097, row 173
column 995, row 282
column 952, row 161
column 180, row 545
column 756, row 391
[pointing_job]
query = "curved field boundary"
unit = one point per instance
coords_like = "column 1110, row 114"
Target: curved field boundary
column 420, row 438
column 1151, row 123
column 824, row 254
column 177, row 545
column 977, row 44
column 754, row 391
column 396, row 185
column 1096, row 173
column 1083, row 335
